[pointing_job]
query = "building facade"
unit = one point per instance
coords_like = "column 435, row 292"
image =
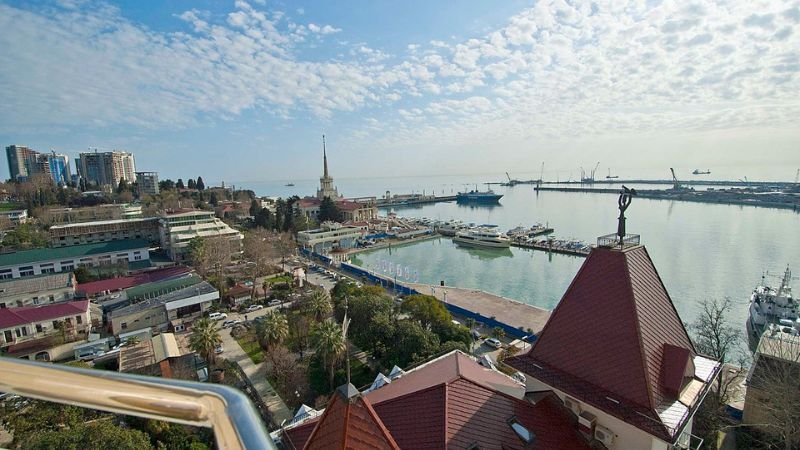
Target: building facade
column 92, row 213
column 106, row 168
column 105, row 231
column 326, row 187
column 16, row 216
column 178, row 229
column 54, row 165
column 31, row 323
column 28, row 263
column 21, row 161
column 34, row 291
column 328, row 237
column 147, row 183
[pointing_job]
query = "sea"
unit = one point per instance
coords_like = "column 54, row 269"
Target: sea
column 700, row 250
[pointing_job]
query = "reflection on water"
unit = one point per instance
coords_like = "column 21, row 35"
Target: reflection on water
column 486, row 254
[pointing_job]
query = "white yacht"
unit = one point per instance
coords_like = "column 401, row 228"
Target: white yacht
column 482, row 237
column 772, row 306
column 450, row 228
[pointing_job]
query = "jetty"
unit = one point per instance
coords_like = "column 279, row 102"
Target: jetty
column 412, row 199
column 552, row 246
column 511, row 312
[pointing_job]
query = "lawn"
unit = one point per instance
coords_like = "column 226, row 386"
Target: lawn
column 279, row 279
column 251, row 346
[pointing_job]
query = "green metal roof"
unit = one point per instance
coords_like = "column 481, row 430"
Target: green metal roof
column 161, row 287
column 71, row 252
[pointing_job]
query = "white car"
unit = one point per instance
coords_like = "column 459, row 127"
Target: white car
column 275, row 302
column 217, row 316
column 219, row 349
column 492, row 342
column 252, row 308
column 229, row 323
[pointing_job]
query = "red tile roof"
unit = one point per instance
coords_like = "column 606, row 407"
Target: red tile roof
column 606, row 338
column 453, row 402
column 349, row 422
column 12, row 317
column 115, row 284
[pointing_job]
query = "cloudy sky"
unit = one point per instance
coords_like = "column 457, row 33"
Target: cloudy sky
column 243, row 90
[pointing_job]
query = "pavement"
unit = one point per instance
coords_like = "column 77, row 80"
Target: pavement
column 257, row 373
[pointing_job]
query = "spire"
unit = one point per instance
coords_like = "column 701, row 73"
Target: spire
column 324, row 157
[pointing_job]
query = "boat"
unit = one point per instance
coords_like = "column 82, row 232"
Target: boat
column 771, row 306
column 450, row 228
column 289, row 184
column 611, row 177
column 476, row 196
column 482, row 237
column 701, row 172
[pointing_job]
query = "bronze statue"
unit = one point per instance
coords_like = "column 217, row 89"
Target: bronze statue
column 624, row 201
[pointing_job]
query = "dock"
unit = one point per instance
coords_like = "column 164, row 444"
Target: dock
column 511, row 312
column 547, row 247
column 413, row 200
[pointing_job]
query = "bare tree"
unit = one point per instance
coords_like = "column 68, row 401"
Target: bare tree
column 284, row 246
column 717, row 339
column 259, row 252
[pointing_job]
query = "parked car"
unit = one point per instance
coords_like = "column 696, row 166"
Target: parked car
column 252, row 308
column 275, row 302
column 228, row 323
column 492, row 342
column 219, row 349
column 217, row 316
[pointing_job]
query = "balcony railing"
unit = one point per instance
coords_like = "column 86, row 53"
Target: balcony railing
column 225, row 410
column 612, row 240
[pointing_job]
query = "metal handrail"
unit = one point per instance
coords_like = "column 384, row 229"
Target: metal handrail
column 225, row 410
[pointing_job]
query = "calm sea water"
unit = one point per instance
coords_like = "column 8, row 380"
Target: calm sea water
column 700, row 250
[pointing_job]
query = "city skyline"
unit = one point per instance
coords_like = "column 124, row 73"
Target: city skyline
column 413, row 90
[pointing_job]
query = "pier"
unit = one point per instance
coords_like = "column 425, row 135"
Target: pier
column 551, row 247
column 406, row 200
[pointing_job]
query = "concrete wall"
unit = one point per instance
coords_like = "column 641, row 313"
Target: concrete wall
column 43, row 298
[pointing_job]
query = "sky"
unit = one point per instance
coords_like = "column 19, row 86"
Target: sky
column 242, row 91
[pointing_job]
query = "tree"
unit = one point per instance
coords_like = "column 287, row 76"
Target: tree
column 274, row 329
column 122, row 186
column 179, row 184
column 318, row 305
column 255, row 207
column 259, row 252
column 198, row 257
column 191, row 184
column 428, row 310
column 328, row 341
column 164, row 185
column 205, row 338
column 284, row 246
column 715, row 338
column 264, row 219
column 200, row 185
column 99, row 435
column 212, row 199
column 283, row 367
column 498, row 332
column 411, row 343
column 470, row 323
column 328, row 211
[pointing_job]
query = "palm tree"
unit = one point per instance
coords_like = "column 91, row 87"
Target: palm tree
column 318, row 305
column 328, row 341
column 205, row 338
column 264, row 286
column 498, row 332
column 273, row 329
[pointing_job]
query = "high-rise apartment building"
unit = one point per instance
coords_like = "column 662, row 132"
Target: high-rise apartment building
column 21, row 161
column 147, row 183
column 106, row 168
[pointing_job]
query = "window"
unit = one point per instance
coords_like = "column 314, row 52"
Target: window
column 67, row 266
column 52, row 299
column 2, row 306
column 124, row 325
column 8, row 336
column 522, row 432
column 26, row 271
column 35, row 300
column 39, row 328
column 47, row 268
column 22, row 331
column 137, row 257
column 6, row 274
column 78, row 320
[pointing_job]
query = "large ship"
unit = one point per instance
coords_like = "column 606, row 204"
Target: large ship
column 478, row 197
column 769, row 305
column 482, row 237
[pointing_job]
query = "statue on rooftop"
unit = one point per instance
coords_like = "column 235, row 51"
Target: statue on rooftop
column 624, row 201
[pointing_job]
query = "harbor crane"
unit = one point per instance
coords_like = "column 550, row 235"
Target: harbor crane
column 676, row 185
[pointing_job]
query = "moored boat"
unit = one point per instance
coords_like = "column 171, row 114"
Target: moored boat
column 769, row 305
column 482, row 237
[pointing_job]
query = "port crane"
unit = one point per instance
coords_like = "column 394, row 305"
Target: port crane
column 609, row 176
column 590, row 177
column 676, row 185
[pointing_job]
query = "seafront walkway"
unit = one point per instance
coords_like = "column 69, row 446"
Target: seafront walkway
column 505, row 310
column 257, row 373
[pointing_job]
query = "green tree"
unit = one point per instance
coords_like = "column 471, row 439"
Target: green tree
column 328, row 341
column 200, row 185
column 263, row 218
column 328, row 211
column 498, row 332
column 100, row 435
column 318, row 305
column 179, row 184
column 205, row 338
column 428, row 310
column 274, row 329
column 255, row 207
column 191, row 184
column 411, row 343
column 212, row 199
column 163, row 185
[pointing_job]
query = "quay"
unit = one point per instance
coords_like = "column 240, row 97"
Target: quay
column 551, row 248
column 406, row 200
column 521, row 316
column 723, row 197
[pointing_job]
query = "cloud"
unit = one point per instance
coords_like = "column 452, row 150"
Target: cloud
column 325, row 29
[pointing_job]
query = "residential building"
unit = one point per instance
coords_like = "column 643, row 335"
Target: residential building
column 450, row 402
column 616, row 353
column 106, row 168
column 32, row 323
column 328, row 237
column 105, row 231
column 147, row 183
column 179, row 228
column 772, row 382
column 95, row 289
column 54, row 165
column 40, row 261
column 15, row 216
column 21, row 161
column 239, row 295
column 93, row 213
column 358, row 209
column 163, row 311
column 37, row 290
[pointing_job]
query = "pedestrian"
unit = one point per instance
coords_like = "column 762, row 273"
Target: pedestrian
column 245, row 317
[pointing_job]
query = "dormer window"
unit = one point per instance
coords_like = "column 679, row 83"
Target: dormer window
column 521, row 431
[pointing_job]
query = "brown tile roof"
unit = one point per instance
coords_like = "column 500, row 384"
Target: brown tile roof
column 606, row 338
column 452, row 402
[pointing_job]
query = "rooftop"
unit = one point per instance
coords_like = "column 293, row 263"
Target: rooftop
column 185, row 293
column 39, row 283
column 103, row 222
column 152, row 351
column 115, row 284
column 12, row 317
column 639, row 363
column 71, row 252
